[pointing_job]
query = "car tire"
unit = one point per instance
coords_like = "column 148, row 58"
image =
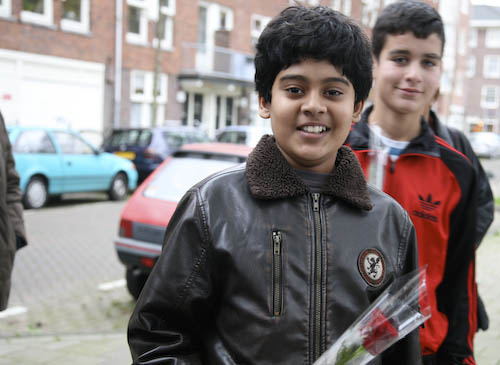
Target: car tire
column 36, row 194
column 135, row 281
column 119, row 187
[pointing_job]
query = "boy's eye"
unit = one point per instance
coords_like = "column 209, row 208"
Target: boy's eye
column 333, row 92
column 400, row 60
column 429, row 63
column 294, row 90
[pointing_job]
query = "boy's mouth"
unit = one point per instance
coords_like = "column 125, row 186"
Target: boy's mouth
column 317, row 129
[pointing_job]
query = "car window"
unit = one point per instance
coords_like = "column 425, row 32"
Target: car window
column 174, row 140
column 232, row 137
column 72, row 145
column 175, row 178
column 132, row 137
column 33, row 141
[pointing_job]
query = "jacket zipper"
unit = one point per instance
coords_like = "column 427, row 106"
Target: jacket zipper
column 277, row 277
column 317, row 278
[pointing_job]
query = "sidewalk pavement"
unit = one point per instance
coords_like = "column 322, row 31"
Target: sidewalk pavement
column 111, row 347
column 94, row 349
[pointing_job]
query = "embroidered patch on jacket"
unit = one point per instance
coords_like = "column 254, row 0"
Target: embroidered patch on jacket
column 371, row 266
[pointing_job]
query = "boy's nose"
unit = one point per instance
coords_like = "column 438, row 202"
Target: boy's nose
column 414, row 72
column 313, row 104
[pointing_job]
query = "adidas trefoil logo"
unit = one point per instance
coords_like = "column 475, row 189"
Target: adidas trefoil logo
column 428, row 204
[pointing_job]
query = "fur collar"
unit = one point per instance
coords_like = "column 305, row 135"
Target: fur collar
column 270, row 176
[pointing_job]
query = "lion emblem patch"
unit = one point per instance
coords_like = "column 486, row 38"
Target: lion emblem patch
column 371, row 266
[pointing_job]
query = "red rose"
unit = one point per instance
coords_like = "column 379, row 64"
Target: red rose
column 378, row 332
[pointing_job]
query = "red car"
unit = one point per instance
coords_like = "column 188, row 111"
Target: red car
column 147, row 213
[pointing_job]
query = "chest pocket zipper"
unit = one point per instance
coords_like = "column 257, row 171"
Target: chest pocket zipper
column 277, row 273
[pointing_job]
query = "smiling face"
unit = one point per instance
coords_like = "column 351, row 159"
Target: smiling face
column 311, row 110
column 407, row 73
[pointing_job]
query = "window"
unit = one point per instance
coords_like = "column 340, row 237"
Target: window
column 202, row 25
column 462, row 43
column 212, row 17
column 491, row 67
column 137, row 31
column 198, row 108
column 166, row 20
column 35, row 141
column 347, row 7
column 259, row 22
column 473, row 38
column 72, row 145
column 75, row 15
column 490, row 97
column 229, row 111
column 471, row 67
column 492, row 38
column 37, row 11
column 141, row 97
column 5, row 8
column 335, row 5
column 225, row 18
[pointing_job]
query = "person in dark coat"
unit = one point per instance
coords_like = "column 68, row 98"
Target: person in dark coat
column 12, row 232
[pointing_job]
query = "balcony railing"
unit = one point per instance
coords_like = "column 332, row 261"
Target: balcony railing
column 217, row 62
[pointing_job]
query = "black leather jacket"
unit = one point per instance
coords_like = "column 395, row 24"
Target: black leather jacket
column 255, row 269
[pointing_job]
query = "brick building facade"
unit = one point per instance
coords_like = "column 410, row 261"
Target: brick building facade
column 91, row 64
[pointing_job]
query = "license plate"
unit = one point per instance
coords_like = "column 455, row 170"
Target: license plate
column 126, row 154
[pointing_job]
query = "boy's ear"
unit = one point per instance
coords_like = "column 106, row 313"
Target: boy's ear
column 358, row 108
column 264, row 108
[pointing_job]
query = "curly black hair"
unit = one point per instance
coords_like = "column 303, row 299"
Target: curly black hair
column 406, row 16
column 318, row 33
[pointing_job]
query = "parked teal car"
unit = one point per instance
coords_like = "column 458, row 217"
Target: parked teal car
column 53, row 161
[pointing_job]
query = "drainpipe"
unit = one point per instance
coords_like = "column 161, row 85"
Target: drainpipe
column 118, row 62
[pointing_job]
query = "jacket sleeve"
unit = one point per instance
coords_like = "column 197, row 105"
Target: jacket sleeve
column 485, row 200
column 407, row 350
column 457, row 295
column 14, row 195
column 169, row 316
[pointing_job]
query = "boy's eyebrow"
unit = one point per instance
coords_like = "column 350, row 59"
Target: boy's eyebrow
column 406, row 52
column 302, row 78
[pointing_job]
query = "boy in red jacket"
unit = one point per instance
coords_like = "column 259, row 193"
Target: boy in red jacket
column 434, row 182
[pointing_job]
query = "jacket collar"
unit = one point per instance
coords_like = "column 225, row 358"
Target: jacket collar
column 425, row 142
column 270, row 176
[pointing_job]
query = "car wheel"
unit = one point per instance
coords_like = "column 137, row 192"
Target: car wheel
column 135, row 281
column 118, row 189
column 36, row 194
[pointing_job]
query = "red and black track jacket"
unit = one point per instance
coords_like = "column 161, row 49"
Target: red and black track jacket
column 436, row 184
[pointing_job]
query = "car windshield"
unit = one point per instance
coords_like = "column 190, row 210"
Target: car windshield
column 176, row 177
column 131, row 137
column 177, row 139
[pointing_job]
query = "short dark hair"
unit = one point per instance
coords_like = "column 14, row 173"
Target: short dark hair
column 406, row 16
column 319, row 33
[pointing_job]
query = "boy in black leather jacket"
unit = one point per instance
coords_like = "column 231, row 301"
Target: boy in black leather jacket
column 269, row 262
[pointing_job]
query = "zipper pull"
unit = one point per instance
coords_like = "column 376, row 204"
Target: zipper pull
column 315, row 202
column 277, row 242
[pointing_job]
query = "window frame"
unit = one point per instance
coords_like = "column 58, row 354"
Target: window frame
column 471, row 66
column 167, row 42
column 254, row 32
column 6, row 9
column 485, row 104
column 140, row 38
column 47, row 18
column 81, row 26
column 492, row 38
column 487, row 63
column 473, row 35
